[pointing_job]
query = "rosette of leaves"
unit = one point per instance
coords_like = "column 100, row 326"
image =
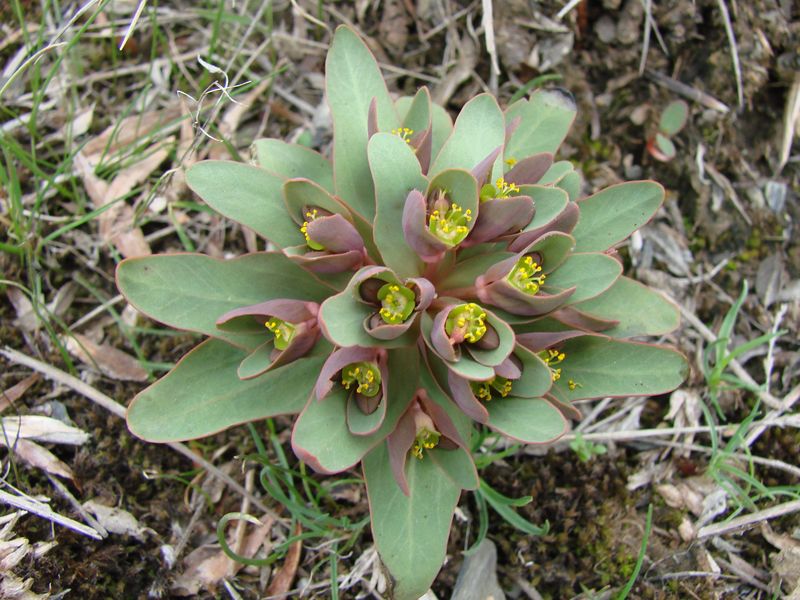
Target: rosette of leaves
column 431, row 277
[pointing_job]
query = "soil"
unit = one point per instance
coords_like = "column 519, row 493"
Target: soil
column 596, row 523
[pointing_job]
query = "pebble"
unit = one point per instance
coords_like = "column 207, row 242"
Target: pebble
column 629, row 26
column 776, row 193
column 606, row 29
column 477, row 579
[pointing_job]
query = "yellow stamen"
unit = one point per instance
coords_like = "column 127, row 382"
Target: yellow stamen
column 551, row 358
column 310, row 215
column 527, row 275
column 425, row 440
column 404, row 133
column 397, row 303
column 505, row 189
column 452, row 227
column 483, row 390
column 466, row 321
column 366, row 376
column 283, row 332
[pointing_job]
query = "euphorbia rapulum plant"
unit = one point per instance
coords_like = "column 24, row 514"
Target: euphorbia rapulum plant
column 431, row 277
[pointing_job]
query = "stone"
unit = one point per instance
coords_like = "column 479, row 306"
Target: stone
column 477, row 579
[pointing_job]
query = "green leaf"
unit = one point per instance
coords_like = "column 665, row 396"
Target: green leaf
column 505, row 345
column 674, row 117
column 342, row 318
column 402, row 106
column 536, row 380
column 321, row 437
column 460, row 186
column 549, row 203
column 529, row 420
column 203, row 394
column 396, row 171
column 554, row 248
column 441, row 122
column 191, row 291
column 442, row 125
column 557, row 171
column 457, row 465
column 502, row 505
column 665, row 147
column 639, row 310
column 466, row 271
column 571, row 183
column 607, row 367
column 257, row 361
column 563, row 176
column 546, row 119
column 470, row 369
column 429, row 381
column 479, row 129
column 611, row 215
column 418, row 115
column 352, row 80
column 299, row 193
column 410, row 531
column 249, row 195
column 591, row 273
column 290, row 161
column 360, row 423
column 464, row 366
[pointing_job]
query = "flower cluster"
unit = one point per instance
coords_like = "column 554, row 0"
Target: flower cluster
column 429, row 279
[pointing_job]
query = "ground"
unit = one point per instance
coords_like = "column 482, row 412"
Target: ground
column 86, row 115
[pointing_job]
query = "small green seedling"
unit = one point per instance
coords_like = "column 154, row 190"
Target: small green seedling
column 430, row 279
column 672, row 120
column 585, row 449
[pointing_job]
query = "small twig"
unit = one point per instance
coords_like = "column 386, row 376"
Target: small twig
column 567, row 9
column 132, row 24
column 184, row 539
column 113, row 407
column 241, row 524
column 62, row 489
column 772, row 463
column 595, row 412
column 705, row 277
column 631, row 405
column 659, row 37
column 737, row 68
column 648, row 18
column 98, row 310
column 629, row 435
column 759, row 427
column 687, row 91
column 491, row 47
column 737, row 368
column 43, row 510
column 309, row 17
column 445, row 23
column 769, row 361
column 724, row 183
column 32, row 59
column 682, row 574
column 791, row 115
column 749, row 520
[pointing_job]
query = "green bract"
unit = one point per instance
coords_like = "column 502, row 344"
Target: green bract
column 432, row 277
